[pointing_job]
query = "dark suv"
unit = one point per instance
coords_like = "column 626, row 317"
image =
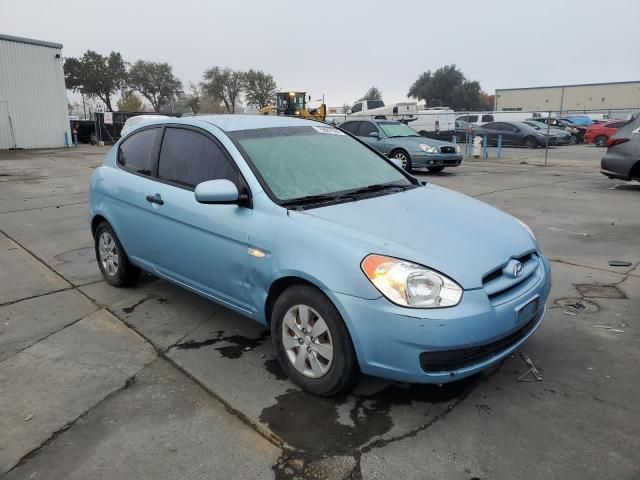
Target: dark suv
column 622, row 160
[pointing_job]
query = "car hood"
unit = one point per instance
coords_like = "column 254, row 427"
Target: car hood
column 452, row 233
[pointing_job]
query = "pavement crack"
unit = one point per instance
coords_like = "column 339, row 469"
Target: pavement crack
column 127, row 384
column 529, row 186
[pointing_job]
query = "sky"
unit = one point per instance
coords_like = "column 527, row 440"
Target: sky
column 340, row 48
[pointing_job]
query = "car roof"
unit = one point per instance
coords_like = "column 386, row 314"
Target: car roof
column 230, row 123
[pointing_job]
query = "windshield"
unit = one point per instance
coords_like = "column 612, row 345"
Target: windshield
column 394, row 129
column 297, row 162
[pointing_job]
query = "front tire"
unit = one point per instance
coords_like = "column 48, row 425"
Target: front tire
column 530, row 142
column 311, row 341
column 404, row 158
column 112, row 260
column 600, row 141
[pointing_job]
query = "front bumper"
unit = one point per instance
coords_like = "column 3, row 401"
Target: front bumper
column 425, row 160
column 398, row 343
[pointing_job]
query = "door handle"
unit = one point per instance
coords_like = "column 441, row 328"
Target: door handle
column 155, row 199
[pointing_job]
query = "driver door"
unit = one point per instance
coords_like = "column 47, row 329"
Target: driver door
column 379, row 143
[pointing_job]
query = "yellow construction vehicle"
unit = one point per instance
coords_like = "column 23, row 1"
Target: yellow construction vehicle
column 295, row 104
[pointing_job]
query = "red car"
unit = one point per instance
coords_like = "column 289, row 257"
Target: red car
column 599, row 133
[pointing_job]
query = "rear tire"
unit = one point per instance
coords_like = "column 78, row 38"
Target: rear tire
column 530, row 142
column 404, row 158
column 307, row 329
column 435, row 169
column 112, row 259
column 600, row 141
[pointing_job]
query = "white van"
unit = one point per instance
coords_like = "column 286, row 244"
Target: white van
column 437, row 122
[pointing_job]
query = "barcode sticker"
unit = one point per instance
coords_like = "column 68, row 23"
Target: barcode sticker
column 329, row 130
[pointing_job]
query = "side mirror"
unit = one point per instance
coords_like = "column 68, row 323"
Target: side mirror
column 374, row 134
column 217, row 191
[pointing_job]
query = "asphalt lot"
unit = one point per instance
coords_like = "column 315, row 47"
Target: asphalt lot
column 155, row 382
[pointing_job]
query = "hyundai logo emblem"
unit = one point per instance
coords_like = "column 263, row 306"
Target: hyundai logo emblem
column 517, row 269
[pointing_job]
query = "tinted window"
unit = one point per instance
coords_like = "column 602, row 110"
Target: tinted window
column 487, row 118
column 366, row 128
column 350, row 127
column 356, row 108
column 374, row 104
column 136, row 152
column 468, row 118
column 189, row 158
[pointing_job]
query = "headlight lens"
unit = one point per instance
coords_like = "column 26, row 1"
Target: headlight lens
column 428, row 148
column 527, row 228
column 410, row 285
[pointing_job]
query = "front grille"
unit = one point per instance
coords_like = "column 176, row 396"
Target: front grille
column 447, row 149
column 449, row 360
column 500, row 285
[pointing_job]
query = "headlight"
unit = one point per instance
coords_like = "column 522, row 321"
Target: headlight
column 428, row 148
column 527, row 228
column 410, row 285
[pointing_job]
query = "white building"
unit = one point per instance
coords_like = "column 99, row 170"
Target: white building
column 33, row 98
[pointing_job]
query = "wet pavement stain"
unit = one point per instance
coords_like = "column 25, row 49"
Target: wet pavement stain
column 131, row 308
column 370, row 416
column 595, row 290
column 273, row 367
column 238, row 344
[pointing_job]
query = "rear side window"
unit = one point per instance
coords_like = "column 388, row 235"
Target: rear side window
column 366, row 128
column 468, row 118
column 188, row 158
column 136, row 153
column 350, row 127
column 487, row 118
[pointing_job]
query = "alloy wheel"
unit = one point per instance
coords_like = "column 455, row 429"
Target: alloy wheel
column 108, row 252
column 307, row 341
column 402, row 157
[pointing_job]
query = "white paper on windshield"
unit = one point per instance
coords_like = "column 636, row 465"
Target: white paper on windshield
column 329, row 130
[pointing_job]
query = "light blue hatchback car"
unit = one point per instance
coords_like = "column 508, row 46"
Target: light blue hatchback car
column 355, row 265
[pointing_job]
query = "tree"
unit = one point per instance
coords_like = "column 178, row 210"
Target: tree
column 96, row 76
column 225, row 84
column 155, row 82
column 260, row 88
column 129, row 102
column 373, row 93
column 487, row 101
column 192, row 100
column 447, row 86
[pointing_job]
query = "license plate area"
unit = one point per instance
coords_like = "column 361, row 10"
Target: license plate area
column 528, row 311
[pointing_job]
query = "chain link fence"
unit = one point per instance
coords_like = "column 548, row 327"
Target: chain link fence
column 507, row 135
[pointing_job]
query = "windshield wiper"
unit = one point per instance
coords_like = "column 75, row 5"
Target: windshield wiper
column 348, row 194
column 312, row 199
column 376, row 187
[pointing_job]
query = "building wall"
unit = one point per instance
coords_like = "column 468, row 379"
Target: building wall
column 33, row 100
column 622, row 95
